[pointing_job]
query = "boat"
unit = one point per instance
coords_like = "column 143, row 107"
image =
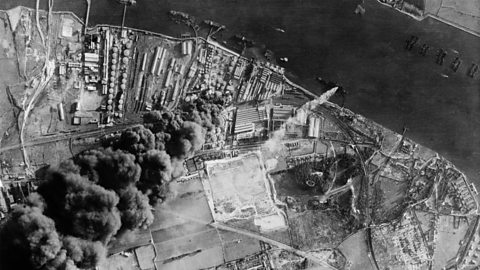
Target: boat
column 279, row 29
column 284, row 59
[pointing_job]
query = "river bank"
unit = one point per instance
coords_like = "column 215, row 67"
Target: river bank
column 364, row 54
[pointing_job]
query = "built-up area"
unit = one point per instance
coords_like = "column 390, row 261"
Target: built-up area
column 289, row 180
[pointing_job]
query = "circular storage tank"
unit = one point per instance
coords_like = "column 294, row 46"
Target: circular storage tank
column 109, row 102
column 114, row 61
column 120, row 101
column 126, row 52
column 114, row 55
column 109, row 107
column 125, row 60
column 124, row 75
column 110, row 96
column 120, row 107
column 124, row 81
column 122, row 86
column 113, row 67
column 112, row 85
column 115, row 49
column 128, row 45
column 112, row 78
column 120, row 115
column 113, row 73
column 110, row 91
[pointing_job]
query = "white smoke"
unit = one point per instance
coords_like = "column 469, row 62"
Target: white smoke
column 274, row 143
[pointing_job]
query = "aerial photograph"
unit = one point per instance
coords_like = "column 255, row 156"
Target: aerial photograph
column 239, row 134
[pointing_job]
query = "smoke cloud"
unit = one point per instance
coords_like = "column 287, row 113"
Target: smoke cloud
column 80, row 207
column 29, row 239
column 274, row 143
column 105, row 192
column 110, row 169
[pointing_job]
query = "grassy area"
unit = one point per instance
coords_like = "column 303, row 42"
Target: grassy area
column 389, row 199
column 8, row 75
column 448, row 239
column 355, row 250
column 319, row 229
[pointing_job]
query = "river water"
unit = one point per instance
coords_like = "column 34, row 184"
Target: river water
column 365, row 54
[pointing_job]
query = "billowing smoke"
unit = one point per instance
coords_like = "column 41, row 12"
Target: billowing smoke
column 84, row 254
column 186, row 140
column 178, row 136
column 110, row 169
column 156, row 172
column 104, row 193
column 29, row 239
column 134, row 208
column 137, row 140
column 204, row 111
column 119, row 171
column 80, row 207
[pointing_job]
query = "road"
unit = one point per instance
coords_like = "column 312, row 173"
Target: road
column 345, row 128
column 371, row 255
column 274, row 243
column 323, row 198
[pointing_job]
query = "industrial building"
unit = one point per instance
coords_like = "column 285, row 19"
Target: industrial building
column 279, row 114
column 247, row 117
column 187, row 47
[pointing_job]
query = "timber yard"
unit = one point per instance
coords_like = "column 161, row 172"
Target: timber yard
column 282, row 179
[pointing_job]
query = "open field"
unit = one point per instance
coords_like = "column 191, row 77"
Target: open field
column 448, row 239
column 465, row 13
column 238, row 189
column 119, row 262
column 355, row 250
column 8, row 75
column 182, row 234
column 318, row 229
column 389, row 199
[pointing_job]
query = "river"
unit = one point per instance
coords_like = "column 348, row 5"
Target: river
column 365, row 54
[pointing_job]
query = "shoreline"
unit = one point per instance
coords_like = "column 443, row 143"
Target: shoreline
column 433, row 16
column 288, row 81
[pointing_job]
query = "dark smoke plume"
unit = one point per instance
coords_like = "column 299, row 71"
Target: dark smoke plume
column 28, row 240
column 105, row 192
column 110, row 169
column 135, row 210
column 156, row 173
column 80, row 207
column 136, row 141
column 84, row 254
column 186, row 140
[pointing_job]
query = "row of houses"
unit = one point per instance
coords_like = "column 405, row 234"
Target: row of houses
column 409, row 242
column 467, row 201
